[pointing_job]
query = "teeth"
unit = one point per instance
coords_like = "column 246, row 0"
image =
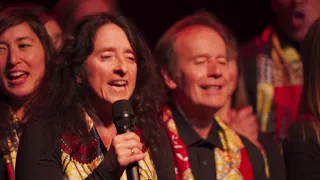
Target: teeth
column 213, row 87
column 16, row 74
column 119, row 83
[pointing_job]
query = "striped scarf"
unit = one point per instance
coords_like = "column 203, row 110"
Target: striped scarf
column 81, row 165
column 232, row 162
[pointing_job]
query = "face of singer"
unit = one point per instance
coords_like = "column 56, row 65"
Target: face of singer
column 22, row 61
column 111, row 69
column 202, row 68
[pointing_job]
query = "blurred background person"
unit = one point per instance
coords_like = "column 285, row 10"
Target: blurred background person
column 69, row 12
column 238, row 114
column 273, row 65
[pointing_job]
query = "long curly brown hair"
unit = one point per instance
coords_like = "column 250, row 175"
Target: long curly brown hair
column 60, row 99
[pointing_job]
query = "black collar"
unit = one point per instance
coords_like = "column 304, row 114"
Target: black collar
column 189, row 136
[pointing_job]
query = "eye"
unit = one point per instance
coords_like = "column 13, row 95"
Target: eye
column 3, row 50
column 24, row 46
column 130, row 57
column 106, row 57
column 200, row 60
column 222, row 60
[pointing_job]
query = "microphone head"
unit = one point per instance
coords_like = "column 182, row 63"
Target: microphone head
column 122, row 113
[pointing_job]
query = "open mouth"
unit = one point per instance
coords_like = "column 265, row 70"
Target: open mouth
column 17, row 76
column 118, row 84
column 297, row 18
column 298, row 15
column 212, row 87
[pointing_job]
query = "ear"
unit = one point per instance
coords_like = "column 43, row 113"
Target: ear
column 79, row 77
column 167, row 79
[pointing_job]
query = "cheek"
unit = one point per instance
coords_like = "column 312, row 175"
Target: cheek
column 190, row 79
column 94, row 74
column 36, row 62
column 2, row 65
column 134, row 73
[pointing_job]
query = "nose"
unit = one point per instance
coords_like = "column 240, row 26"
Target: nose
column 214, row 69
column 13, row 57
column 121, row 68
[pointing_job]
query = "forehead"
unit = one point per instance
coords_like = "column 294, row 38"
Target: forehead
column 199, row 39
column 111, row 35
column 20, row 30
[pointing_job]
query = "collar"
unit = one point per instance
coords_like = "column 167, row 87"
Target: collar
column 189, row 136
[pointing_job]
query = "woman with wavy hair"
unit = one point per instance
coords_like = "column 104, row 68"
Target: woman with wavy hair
column 71, row 115
column 25, row 51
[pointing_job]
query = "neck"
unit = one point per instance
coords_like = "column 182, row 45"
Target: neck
column 223, row 113
column 200, row 118
column 102, row 108
column 104, row 115
column 18, row 108
column 104, row 123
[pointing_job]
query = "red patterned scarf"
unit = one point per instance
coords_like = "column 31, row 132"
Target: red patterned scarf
column 232, row 162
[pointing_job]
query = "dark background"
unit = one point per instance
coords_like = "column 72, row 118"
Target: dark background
column 246, row 18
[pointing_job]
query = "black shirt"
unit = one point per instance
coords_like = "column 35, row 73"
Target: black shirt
column 40, row 158
column 201, row 151
column 302, row 152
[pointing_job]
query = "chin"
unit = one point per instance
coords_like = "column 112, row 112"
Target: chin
column 214, row 104
column 299, row 36
column 19, row 96
column 115, row 99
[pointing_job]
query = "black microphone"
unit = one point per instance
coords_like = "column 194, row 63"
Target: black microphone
column 122, row 114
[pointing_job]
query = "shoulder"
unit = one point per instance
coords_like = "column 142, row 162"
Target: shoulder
column 38, row 135
column 34, row 129
column 302, row 134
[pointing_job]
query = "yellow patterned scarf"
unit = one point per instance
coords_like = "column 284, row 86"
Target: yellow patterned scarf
column 232, row 162
column 80, row 168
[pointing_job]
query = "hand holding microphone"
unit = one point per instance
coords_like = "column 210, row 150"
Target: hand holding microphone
column 126, row 145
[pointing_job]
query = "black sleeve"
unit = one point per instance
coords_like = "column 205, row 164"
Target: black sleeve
column 2, row 167
column 39, row 157
column 302, row 152
column 164, row 163
column 256, row 159
column 273, row 152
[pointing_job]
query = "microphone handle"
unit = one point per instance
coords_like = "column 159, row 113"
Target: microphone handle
column 133, row 171
column 133, row 168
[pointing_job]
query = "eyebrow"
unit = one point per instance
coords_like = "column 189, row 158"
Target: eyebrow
column 127, row 50
column 221, row 56
column 24, row 38
column 2, row 42
column 205, row 55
